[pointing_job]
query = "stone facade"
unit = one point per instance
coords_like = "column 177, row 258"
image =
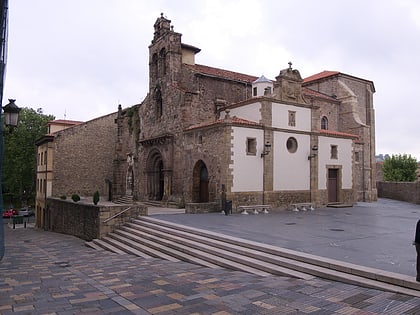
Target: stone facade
column 83, row 158
column 202, row 133
column 86, row 220
column 355, row 114
column 182, row 148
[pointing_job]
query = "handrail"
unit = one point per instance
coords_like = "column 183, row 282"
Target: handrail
column 116, row 215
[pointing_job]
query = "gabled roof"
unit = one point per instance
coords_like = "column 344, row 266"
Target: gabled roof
column 325, row 74
column 321, row 75
column 262, row 79
column 221, row 73
column 234, row 120
column 313, row 93
column 64, row 122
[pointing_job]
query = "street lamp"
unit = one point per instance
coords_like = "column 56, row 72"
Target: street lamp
column 11, row 116
column 11, row 113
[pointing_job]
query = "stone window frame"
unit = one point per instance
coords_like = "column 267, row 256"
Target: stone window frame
column 334, row 152
column 251, row 146
column 292, row 118
column 324, row 123
column 291, row 144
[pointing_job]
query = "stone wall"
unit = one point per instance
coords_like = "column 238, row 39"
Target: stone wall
column 86, row 221
column 83, row 158
column 403, row 191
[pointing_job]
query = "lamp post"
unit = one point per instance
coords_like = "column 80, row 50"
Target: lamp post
column 11, row 116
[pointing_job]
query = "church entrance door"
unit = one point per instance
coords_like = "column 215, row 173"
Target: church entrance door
column 200, row 182
column 155, row 176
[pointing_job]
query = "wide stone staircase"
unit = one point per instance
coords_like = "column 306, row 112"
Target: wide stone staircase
column 150, row 237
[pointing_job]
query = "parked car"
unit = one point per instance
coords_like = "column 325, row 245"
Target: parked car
column 26, row 212
column 9, row 213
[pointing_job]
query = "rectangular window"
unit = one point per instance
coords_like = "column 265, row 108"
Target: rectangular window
column 292, row 118
column 357, row 156
column 251, row 146
column 334, row 152
column 254, row 91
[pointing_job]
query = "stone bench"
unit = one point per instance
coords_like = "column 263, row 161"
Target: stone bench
column 304, row 206
column 255, row 208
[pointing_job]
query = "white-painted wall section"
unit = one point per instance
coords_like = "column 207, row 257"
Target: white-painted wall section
column 291, row 170
column 247, row 169
column 344, row 159
column 250, row 112
column 281, row 117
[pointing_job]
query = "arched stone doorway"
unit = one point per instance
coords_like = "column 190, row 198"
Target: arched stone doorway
column 200, row 191
column 155, row 176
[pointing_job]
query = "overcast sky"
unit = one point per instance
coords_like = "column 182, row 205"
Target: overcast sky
column 79, row 59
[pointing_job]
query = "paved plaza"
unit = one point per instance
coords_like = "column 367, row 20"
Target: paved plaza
column 48, row 273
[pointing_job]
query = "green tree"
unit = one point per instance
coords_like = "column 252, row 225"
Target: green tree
column 400, row 168
column 19, row 166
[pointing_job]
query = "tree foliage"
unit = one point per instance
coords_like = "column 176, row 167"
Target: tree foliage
column 19, row 166
column 400, row 168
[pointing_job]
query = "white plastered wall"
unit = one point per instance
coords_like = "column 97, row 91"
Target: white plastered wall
column 281, row 117
column 247, row 170
column 250, row 112
column 291, row 170
column 344, row 160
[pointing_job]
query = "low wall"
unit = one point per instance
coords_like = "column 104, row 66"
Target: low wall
column 403, row 191
column 86, row 220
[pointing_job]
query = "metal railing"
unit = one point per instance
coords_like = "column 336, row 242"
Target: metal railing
column 116, row 215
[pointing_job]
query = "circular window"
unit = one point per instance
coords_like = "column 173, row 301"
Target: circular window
column 291, row 145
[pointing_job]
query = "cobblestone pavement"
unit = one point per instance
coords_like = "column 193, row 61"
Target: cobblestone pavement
column 49, row 273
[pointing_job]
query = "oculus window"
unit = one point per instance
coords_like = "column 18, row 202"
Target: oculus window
column 291, row 145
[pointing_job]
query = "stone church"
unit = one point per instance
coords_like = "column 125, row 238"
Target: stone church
column 203, row 132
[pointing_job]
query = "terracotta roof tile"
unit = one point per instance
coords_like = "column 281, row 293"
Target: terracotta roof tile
column 234, row 120
column 65, row 122
column 321, row 75
column 221, row 73
column 337, row 133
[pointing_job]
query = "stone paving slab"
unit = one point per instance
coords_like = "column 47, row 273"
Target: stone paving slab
column 49, row 273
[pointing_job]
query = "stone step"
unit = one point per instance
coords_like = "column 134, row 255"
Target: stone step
column 160, row 210
column 318, row 266
column 221, row 255
column 103, row 243
column 172, row 241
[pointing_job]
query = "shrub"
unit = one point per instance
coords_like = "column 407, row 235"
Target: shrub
column 63, row 197
column 75, row 197
column 96, row 198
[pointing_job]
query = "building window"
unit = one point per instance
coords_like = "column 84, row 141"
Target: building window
column 291, row 145
column 292, row 118
column 200, row 139
column 334, row 152
column 324, row 123
column 254, row 91
column 251, row 146
column 356, row 157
